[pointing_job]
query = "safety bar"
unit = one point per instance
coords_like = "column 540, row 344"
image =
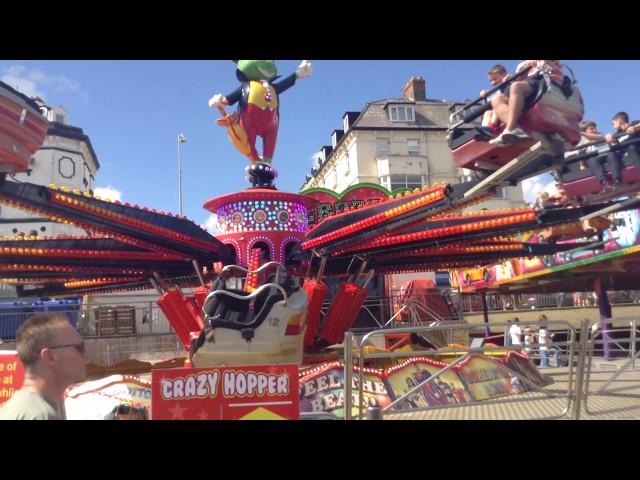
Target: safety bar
column 251, row 296
column 244, row 270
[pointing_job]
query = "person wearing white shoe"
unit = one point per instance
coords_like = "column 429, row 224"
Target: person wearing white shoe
column 509, row 107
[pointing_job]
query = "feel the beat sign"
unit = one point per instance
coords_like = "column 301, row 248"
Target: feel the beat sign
column 257, row 392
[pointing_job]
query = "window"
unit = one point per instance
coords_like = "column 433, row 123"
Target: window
column 66, row 167
column 59, row 118
column 401, row 113
column 382, row 147
column 392, row 182
column 413, row 146
column 501, row 192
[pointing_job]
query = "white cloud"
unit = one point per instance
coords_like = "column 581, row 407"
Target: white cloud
column 108, row 192
column 532, row 186
column 211, row 224
column 314, row 159
column 34, row 83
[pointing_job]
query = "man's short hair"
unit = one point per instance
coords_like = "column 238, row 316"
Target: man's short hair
column 621, row 116
column 497, row 69
column 36, row 334
column 586, row 124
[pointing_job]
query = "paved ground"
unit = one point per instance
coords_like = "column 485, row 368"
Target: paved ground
column 620, row 400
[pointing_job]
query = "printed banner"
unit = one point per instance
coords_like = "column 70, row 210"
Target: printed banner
column 98, row 399
column 11, row 374
column 322, row 390
column 522, row 365
column 257, row 392
column 446, row 389
column 485, row 379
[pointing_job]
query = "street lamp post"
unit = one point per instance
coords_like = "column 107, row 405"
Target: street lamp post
column 181, row 139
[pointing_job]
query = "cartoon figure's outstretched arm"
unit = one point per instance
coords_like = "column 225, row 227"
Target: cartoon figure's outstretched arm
column 221, row 101
column 304, row 70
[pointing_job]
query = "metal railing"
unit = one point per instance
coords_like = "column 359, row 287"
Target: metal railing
column 472, row 303
column 109, row 354
column 600, row 336
column 140, row 321
column 572, row 347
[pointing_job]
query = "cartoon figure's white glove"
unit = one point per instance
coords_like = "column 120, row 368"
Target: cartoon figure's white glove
column 217, row 101
column 304, row 70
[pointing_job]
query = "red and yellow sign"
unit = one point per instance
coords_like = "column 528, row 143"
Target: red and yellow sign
column 11, row 374
column 257, row 392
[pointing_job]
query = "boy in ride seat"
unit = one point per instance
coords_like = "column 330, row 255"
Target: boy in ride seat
column 509, row 107
column 622, row 127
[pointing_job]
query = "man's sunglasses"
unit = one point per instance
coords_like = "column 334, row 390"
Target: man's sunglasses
column 78, row 346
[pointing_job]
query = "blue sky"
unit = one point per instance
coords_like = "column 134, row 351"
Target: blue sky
column 134, row 110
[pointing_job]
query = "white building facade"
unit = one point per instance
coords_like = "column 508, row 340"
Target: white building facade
column 397, row 143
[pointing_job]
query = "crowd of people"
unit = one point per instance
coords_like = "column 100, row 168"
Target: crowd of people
column 531, row 340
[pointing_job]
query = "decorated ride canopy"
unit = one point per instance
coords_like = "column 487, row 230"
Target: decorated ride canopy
column 268, row 219
column 423, row 230
column 126, row 246
column 613, row 257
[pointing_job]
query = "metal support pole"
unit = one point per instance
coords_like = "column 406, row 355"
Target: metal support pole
column 348, row 372
column 584, row 338
column 605, row 315
column 485, row 314
column 634, row 326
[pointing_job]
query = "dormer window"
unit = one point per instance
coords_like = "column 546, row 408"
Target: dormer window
column 401, row 113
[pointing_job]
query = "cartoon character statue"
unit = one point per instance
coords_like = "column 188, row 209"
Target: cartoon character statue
column 257, row 114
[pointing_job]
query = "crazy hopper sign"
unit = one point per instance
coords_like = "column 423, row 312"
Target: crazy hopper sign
column 11, row 374
column 256, row 392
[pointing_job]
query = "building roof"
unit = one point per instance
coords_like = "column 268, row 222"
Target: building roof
column 375, row 114
column 74, row 133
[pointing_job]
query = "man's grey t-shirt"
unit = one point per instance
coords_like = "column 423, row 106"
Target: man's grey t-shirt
column 26, row 405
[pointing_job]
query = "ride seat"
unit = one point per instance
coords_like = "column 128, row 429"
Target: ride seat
column 460, row 136
column 224, row 311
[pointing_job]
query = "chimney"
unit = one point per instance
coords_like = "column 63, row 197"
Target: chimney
column 415, row 89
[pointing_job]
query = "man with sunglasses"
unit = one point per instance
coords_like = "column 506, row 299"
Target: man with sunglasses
column 52, row 353
column 126, row 411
